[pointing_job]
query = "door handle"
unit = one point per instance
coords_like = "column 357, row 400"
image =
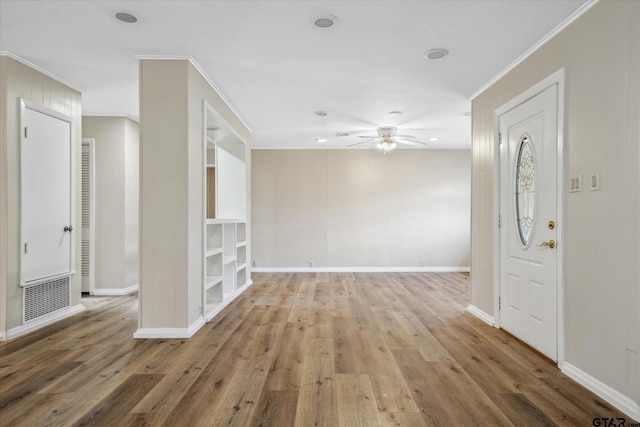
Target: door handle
column 551, row 244
column 68, row 228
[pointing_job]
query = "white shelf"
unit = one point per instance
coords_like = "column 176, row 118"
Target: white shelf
column 212, row 281
column 212, row 251
column 241, row 244
column 228, row 259
column 211, row 306
column 241, row 267
column 211, row 165
column 223, row 220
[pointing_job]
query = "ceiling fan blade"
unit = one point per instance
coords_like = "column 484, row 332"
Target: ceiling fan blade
column 413, row 143
column 368, row 136
column 359, row 143
column 405, row 136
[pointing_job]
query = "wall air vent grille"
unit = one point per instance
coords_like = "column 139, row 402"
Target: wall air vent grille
column 45, row 298
column 86, row 258
column 86, row 188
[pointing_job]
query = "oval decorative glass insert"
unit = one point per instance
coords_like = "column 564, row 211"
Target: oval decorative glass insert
column 525, row 190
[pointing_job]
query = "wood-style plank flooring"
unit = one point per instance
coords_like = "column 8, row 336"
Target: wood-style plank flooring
column 392, row 349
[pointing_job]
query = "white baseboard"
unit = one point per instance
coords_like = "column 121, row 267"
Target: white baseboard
column 360, row 270
column 115, row 291
column 195, row 326
column 481, row 315
column 170, row 332
column 2, row 336
column 614, row 397
column 43, row 321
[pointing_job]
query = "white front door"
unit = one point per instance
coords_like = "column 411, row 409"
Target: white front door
column 528, row 230
column 45, row 196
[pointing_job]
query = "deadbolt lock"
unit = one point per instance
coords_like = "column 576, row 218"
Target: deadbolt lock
column 551, row 225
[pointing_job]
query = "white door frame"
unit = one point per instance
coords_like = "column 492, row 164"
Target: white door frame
column 92, row 221
column 555, row 78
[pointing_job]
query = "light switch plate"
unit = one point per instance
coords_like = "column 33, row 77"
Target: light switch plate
column 595, row 181
column 575, row 183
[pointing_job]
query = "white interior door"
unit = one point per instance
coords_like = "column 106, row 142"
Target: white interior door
column 45, row 195
column 528, row 232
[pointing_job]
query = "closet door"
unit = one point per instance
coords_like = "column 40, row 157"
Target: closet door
column 45, row 195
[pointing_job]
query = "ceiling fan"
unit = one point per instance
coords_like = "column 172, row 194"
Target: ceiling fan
column 387, row 139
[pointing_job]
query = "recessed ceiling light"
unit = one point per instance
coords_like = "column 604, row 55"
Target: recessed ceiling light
column 339, row 134
column 321, row 140
column 326, row 21
column 320, row 113
column 395, row 113
column 436, row 53
column 126, row 17
column 433, row 139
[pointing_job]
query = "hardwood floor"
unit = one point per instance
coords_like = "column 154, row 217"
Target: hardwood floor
column 392, row 349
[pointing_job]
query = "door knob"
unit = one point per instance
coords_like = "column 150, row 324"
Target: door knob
column 551, row 244
column 68, row 228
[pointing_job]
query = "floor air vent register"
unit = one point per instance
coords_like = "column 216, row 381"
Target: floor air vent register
column 46, row 297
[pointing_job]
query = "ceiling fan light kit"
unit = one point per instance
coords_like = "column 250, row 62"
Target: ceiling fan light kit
column 388, row 139
column 386, row 145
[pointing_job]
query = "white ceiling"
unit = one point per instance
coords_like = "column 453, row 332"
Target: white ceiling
column 276, row 68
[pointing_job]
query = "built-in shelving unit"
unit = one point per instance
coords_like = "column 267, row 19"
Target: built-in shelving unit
column 225, row 230
column 225, row 263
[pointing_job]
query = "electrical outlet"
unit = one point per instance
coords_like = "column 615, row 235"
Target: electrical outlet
column 254, row 264
column 311, row 263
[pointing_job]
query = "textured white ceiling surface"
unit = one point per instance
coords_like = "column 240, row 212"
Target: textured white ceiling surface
column 276, row 68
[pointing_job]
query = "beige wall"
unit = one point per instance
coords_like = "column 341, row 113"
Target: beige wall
column 116, row 199
column 20, row 81
column 360, row 208
column 171, row 199
column 163, row 194
column 600, row 53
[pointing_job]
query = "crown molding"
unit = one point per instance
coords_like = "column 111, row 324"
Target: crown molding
column 40, row 70
column 564, row 24
column 203, row 74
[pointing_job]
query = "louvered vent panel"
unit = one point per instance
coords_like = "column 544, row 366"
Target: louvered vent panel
column 86, row 189
column 85, row 258
column 45, row 298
